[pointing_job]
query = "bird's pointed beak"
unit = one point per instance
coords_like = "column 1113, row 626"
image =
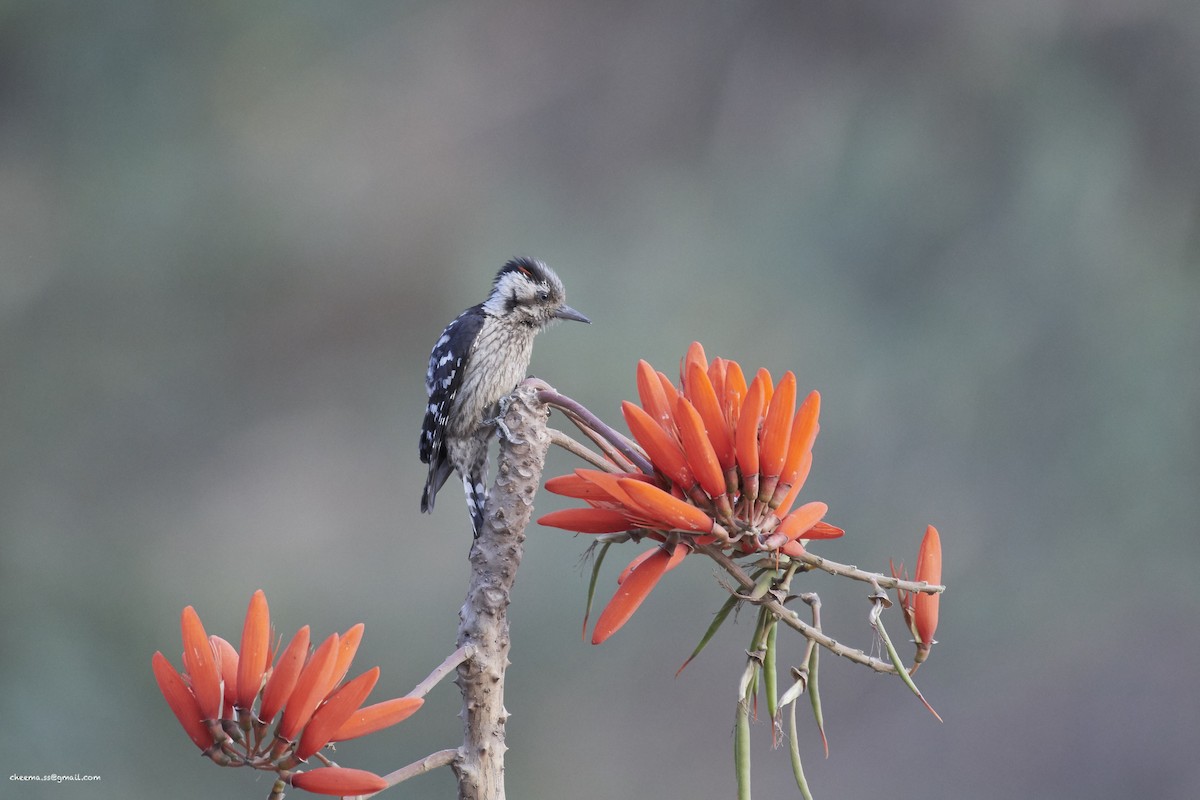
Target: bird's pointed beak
column 566, row 312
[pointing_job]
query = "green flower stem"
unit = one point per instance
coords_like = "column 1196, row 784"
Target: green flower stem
column 741, row 748
column 717, row 622
column 770, row 676
column 591, row 593
column 797, row 767
column 896, row 660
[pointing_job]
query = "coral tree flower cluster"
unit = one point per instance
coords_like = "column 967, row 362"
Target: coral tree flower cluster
column 244, row 707
column 729, row 457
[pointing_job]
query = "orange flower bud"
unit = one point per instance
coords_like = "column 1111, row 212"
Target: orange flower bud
column 632, row 565
column 764, row 375
column 669, row 511
column 799, row 453
column 283, row 678
column 575, row 486
column 747, row 437
column 334, row 712
column 716, row 376
column 181, row 701
column 377, row 717
column 256, row 650
column 201, row 664
column 798, row 523
column 734, row 394
column 609, row 482
column 703, row 396
column 339, row 781
column 697, row 447
column 227, row 664
column 777, row 429
column 929, row 569
column 695, row 355
column 310, row 689
column 347, row 648
column 654, row 400
column 793, row 491
column 663, row 451
column 588, row 520
column 630, row 594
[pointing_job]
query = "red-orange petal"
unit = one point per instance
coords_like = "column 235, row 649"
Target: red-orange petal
column 347, row 648
column 588, row 520
column 650, row 391
column 793, row 548
column 695, row 355
column 227, row 663
column 734, row 394
column 630, row 594
column 804, row 434
column 283, row 678
column 703, row 396
column 663, row 451
column 201, row 664
column 716, row 377
column 334, row 712
column 797, row 483
column 376, row 717
column 764, row 375
column 678, row 553
column 697, row 447
column 802, row 519
column 632, row 565
column 668, row 388
column 339, row 781
column 823, row 530
column 667, row 509
column 181, row 701
column 309, row 691
column 747, row 429
column 607, row 481
column 777, row 427
column 577, row 487
column 255, row 654
column 929, row 569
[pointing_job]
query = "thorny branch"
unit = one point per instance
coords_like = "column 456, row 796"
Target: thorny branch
column 792, row 620
column 495, row 557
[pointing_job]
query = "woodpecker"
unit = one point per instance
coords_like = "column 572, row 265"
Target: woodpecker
column 480, row 357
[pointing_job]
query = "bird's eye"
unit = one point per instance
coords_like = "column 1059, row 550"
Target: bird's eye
column 543, row 295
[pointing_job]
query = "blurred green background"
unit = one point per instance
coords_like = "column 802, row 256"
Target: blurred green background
column 230, row 232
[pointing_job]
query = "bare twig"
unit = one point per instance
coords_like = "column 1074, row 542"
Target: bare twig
column 442, row 670
column 550, row 396
column 619, row 461
column 429, row 763
column 876, row 578
column 789, row 617
column 559, row 438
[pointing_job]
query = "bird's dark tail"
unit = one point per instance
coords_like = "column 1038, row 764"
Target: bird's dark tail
column 438, row 473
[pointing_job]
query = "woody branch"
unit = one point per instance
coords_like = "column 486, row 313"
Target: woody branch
column 495, row 557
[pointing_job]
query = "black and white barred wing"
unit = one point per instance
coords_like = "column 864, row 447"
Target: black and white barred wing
column 447, row 364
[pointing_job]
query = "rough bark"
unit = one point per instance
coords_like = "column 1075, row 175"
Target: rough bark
column 495, row 557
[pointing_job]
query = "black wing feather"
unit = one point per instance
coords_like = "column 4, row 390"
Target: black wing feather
column 447, row 365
